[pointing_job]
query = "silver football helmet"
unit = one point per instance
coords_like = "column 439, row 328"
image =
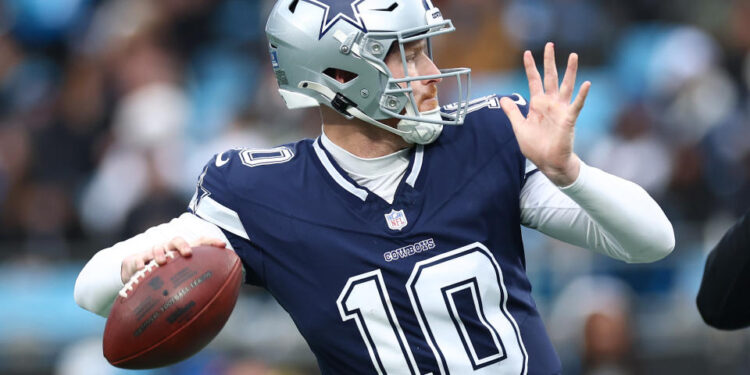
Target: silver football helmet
column 310, row 37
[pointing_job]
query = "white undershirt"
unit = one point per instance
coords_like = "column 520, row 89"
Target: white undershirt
column 599, row 211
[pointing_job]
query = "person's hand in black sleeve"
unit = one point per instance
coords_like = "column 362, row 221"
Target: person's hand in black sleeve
column 724, row 296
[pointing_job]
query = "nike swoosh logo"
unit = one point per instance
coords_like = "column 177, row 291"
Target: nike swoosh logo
column 219, row 161
column 520, row 101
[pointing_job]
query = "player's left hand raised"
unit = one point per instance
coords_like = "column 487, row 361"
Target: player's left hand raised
column 546, row 134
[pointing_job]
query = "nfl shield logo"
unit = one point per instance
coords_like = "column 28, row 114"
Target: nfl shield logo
column 396, row 219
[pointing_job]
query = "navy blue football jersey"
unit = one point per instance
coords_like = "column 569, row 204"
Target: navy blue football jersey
column 433, row 283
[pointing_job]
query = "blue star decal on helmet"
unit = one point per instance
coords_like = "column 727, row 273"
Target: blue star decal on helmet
column 338, row 10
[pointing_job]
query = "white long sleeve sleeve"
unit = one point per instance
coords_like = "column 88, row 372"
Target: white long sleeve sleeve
column 601, row 212
column 99, row 282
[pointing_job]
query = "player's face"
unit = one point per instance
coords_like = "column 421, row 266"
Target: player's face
column 418, row 63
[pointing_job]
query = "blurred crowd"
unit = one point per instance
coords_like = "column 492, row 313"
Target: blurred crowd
column 110, row 108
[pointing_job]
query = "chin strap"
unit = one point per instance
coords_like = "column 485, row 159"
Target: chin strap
column 419, row 131
column 410, row 130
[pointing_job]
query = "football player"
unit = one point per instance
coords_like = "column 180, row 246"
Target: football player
column 393, row 239
column 724, row 298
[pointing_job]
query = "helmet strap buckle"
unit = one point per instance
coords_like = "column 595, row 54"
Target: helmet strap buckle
column 341, row 103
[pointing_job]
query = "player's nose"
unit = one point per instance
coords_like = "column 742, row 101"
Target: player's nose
column 429, row 68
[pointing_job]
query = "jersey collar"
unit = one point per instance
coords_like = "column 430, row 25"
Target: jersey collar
column 343, row 180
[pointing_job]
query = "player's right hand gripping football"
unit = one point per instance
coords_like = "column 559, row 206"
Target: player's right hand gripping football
column 137, row 261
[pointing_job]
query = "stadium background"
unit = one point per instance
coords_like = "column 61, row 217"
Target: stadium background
column 109, row 108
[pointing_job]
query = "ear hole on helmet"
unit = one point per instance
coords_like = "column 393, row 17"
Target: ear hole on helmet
column 293, row 6
column 340, row 75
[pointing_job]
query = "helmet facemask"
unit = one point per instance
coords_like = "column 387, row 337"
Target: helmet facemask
column 399, row 94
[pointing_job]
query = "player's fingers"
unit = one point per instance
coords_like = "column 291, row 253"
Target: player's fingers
column 210, row 241
column 148, row 256
column 160, row 254
column 569, row 80
column 181, row 246
column 126, row 269
column 139, row 265
column 581, row 98
column 550, row 69
column 532, row 74
column 511, row 110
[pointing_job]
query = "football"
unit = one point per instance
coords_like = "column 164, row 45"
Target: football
column 167, row 313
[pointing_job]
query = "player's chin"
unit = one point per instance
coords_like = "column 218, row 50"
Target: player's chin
column 428, row 105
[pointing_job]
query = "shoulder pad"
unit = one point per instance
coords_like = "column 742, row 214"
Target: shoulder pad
column 227, row 177
column 489, row 101
column 254, row 157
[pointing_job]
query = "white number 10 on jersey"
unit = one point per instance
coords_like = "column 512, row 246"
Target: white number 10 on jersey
column 434, row 288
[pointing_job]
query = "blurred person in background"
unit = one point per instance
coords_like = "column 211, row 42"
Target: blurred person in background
column 607, row 344
column 480, row 40
column 591, row 322
column 724, row 296
column 147, row 135
column 393, row 193
column 632, row 145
